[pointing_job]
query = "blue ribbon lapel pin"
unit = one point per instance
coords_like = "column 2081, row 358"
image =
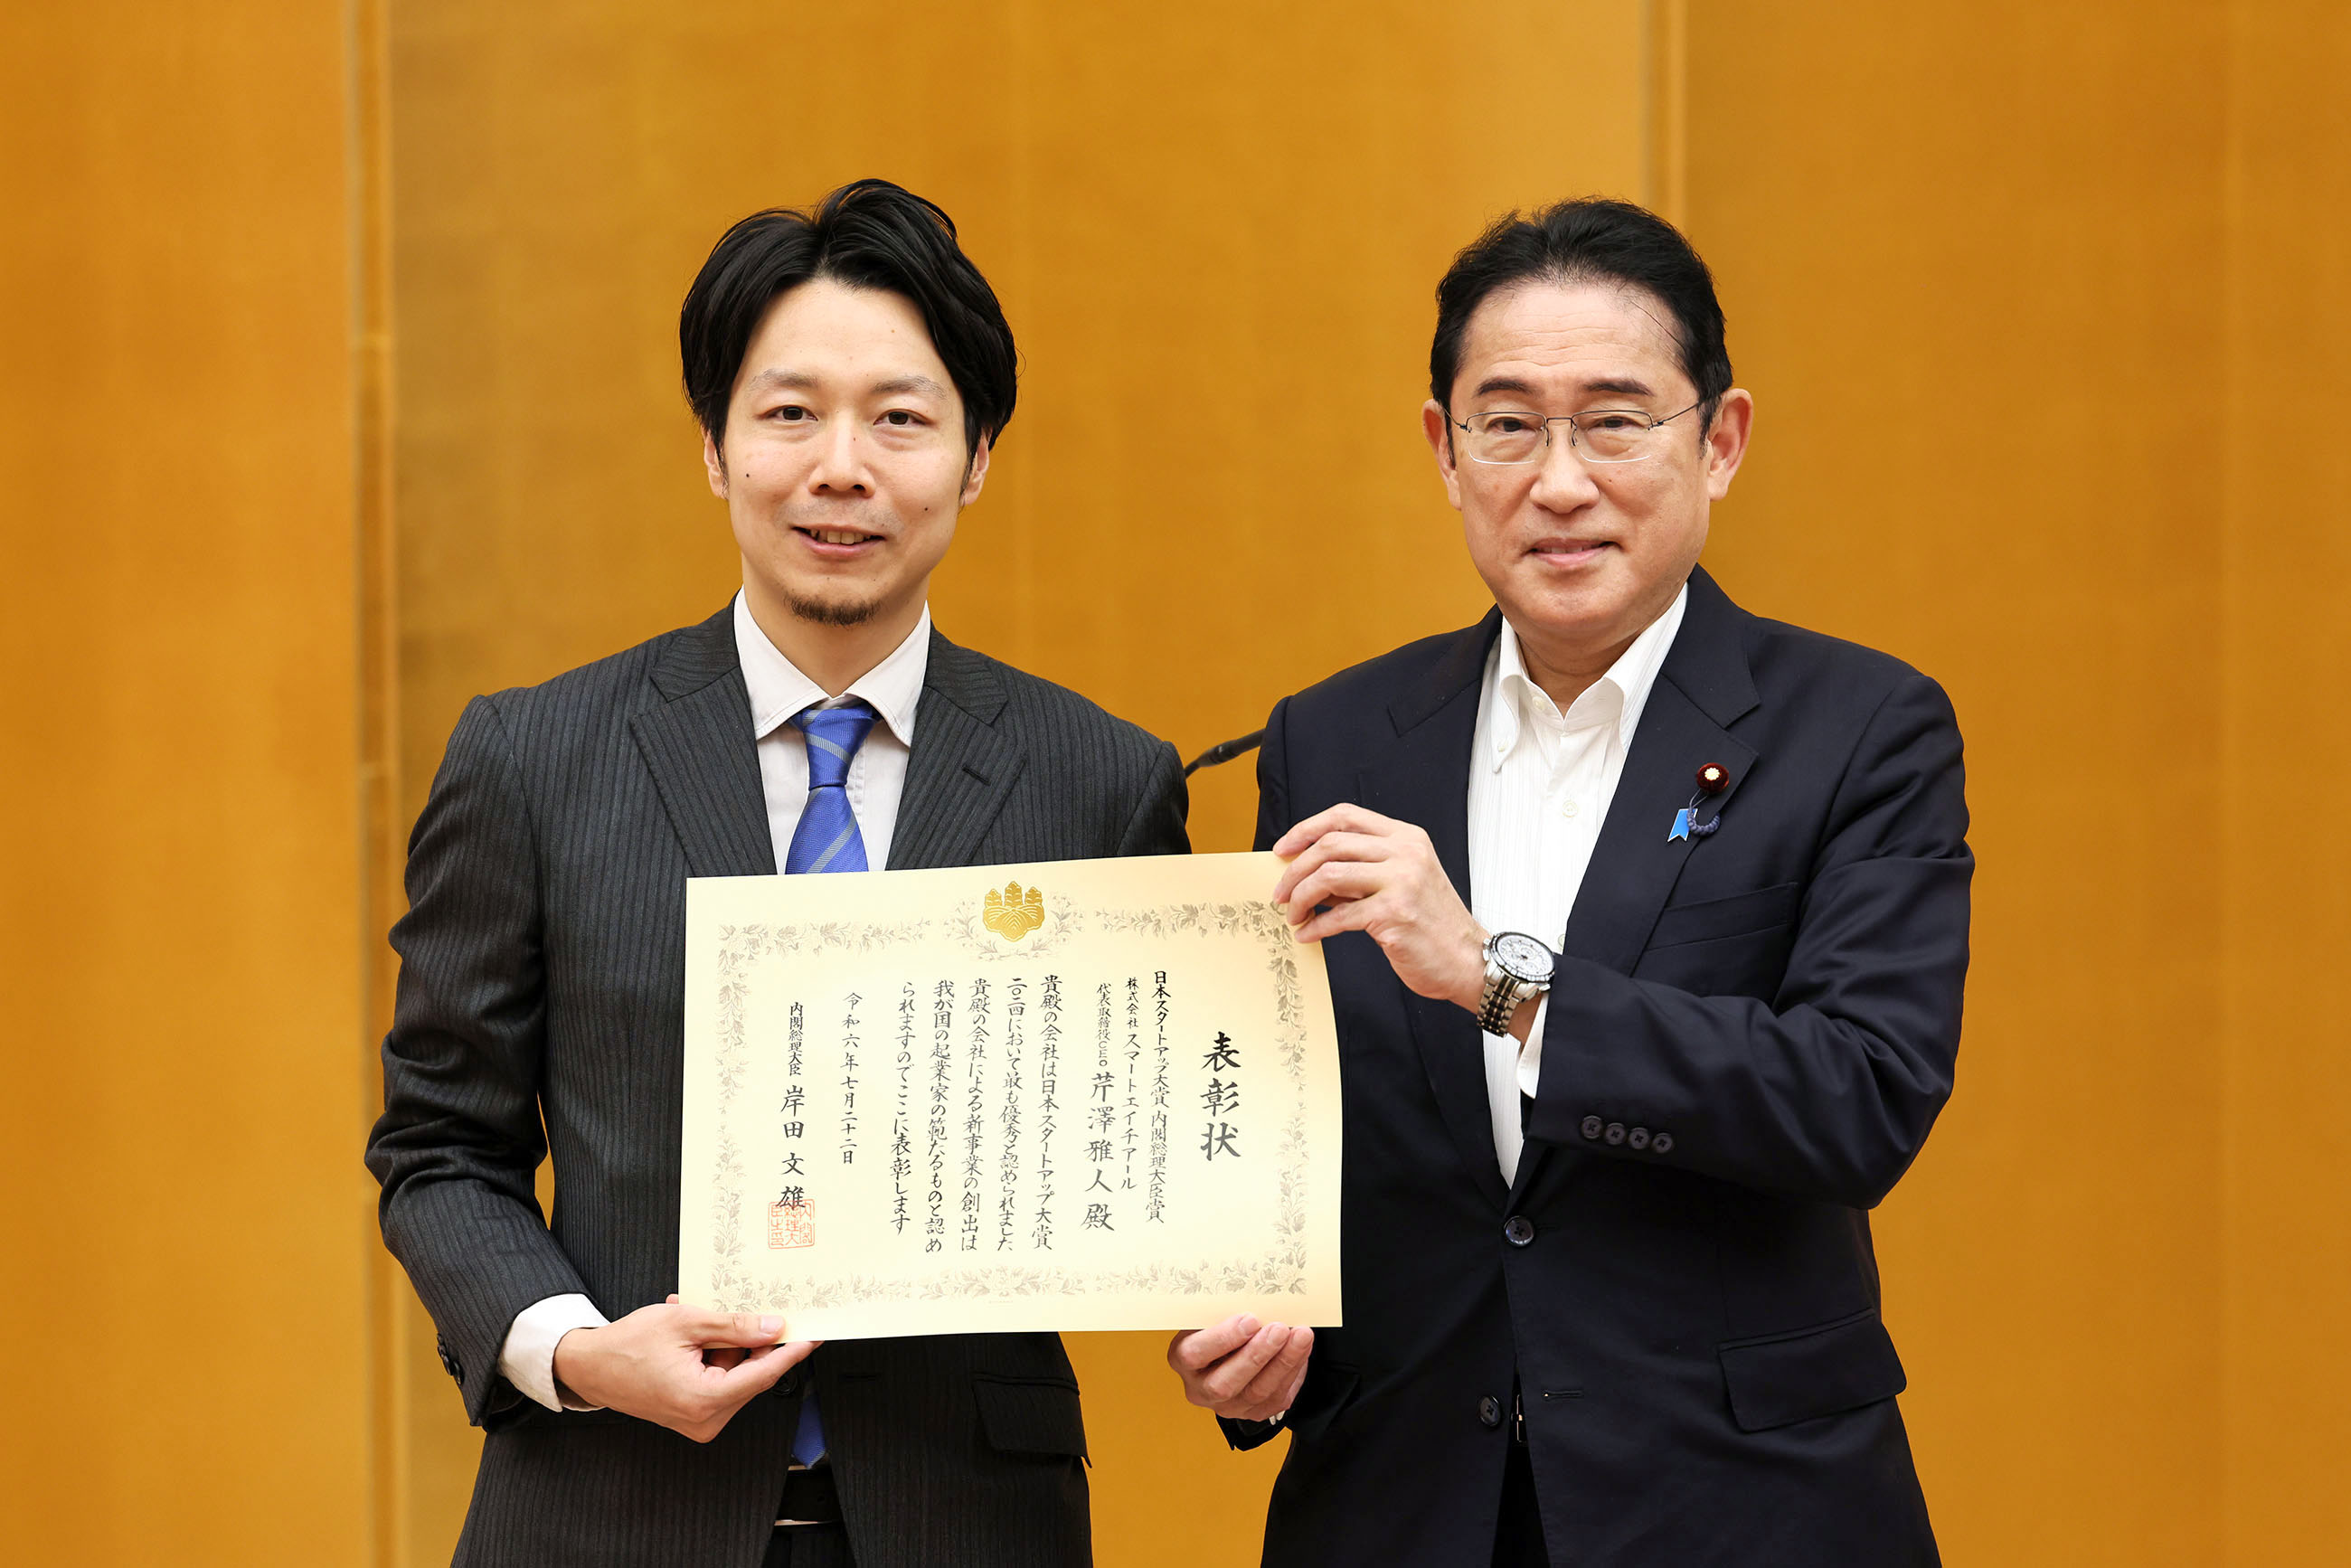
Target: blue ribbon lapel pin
column 1712, row 779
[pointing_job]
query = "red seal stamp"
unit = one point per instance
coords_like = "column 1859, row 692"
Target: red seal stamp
column 792, row 1224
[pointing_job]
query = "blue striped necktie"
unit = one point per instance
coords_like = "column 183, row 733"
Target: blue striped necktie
column 826, row 840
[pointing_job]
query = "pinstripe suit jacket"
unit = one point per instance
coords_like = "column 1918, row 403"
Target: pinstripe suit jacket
column 539, row 1012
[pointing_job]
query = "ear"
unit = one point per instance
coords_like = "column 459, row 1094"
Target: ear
column 713, row 462
column 1437, row 425
column 1726, row 441
column 975, row 472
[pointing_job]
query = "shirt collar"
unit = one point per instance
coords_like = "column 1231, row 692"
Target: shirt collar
column 893, row 688
column 1615, row 697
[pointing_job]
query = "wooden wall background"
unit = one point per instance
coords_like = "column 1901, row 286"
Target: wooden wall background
column 185, row 1322
column 338, row 382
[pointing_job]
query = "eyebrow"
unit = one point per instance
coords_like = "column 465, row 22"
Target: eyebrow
column 1622, row 386
column 1503, row 385
column 800, row 380
column 897, row 385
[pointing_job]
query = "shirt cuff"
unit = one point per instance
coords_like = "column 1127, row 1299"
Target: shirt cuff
column 528, row 1358
column 1530, row 1053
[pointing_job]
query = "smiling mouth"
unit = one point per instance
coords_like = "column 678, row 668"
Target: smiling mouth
column 1572, row 549
column 837, row 536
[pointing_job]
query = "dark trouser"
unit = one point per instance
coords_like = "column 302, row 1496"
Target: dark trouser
column 810, row 1495
column 810, row 1546
column 1519, row 1532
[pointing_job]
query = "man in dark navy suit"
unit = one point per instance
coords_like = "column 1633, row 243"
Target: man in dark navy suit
column 1646, row 928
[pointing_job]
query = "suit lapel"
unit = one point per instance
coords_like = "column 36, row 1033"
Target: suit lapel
column 1704, row 686
column 962, row 768
column 698, row 745
column 1634, row 866
column 1425, row 780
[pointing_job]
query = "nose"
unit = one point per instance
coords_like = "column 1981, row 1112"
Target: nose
column 1564, row 482
column 840, row 468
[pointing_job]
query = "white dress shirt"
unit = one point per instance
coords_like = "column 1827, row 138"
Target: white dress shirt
column 876, row 782
column 1539, row 785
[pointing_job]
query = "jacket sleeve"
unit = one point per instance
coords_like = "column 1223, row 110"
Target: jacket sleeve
column 1242, row 1436
column 460, row 1136
column 1273, row 818
column 1826, row 1091
column 1158, row 826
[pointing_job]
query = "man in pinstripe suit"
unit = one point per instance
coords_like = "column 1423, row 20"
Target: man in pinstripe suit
column 851, row 370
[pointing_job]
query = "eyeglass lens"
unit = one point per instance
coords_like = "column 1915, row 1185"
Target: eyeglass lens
column 1604, row 436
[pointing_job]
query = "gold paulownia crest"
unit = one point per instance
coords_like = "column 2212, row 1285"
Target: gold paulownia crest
column 1013, row 913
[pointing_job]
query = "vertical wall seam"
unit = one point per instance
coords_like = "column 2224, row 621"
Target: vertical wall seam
column 368, row 159
column 1666, row 43
column 1650, row 97
column 2230, row 872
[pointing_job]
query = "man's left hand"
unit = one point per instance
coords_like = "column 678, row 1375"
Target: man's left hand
column 1357, row 870
column 1242, row 1369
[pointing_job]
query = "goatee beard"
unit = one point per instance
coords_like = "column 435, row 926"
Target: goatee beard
column 833, row 612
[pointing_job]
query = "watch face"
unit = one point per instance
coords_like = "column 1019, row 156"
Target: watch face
column 1521, row 957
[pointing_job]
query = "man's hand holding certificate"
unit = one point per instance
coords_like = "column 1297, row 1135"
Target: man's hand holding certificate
column 1093, row 1094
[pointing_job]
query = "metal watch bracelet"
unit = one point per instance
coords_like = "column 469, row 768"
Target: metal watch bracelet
column 1503, row 993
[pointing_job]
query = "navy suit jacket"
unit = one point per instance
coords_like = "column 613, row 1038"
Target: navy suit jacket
column 1749, row 1035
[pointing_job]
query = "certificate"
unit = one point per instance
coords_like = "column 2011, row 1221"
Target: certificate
column 1078, row 1094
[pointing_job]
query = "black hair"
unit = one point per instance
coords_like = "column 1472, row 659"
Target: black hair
column 1592, row 240
column 868, row 235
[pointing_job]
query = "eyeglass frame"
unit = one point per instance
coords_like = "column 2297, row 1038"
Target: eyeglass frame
column 1574, row 430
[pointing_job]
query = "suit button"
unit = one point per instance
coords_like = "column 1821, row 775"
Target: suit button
column 1615, row 1133
column 788, row 1385
column 1489, row 1411
column 1661, row 1143
column 1637, row 1139
column 1591, row 1127
column 1518, row 1230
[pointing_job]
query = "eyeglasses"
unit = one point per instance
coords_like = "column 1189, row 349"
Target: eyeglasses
column 1600, row 435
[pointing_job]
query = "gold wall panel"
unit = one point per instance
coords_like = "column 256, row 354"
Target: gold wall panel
column 184, row 1228
column 2037, row 304
column 2283, row 559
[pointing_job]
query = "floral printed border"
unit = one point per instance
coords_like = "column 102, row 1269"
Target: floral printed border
column 1281, row 1269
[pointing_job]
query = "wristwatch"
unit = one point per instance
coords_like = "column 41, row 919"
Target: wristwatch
column 1517, row 966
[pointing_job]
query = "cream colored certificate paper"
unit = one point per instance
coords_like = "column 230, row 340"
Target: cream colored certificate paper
column 1082, row 1094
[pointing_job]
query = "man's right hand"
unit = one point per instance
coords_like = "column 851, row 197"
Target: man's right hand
column 677, row 1366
